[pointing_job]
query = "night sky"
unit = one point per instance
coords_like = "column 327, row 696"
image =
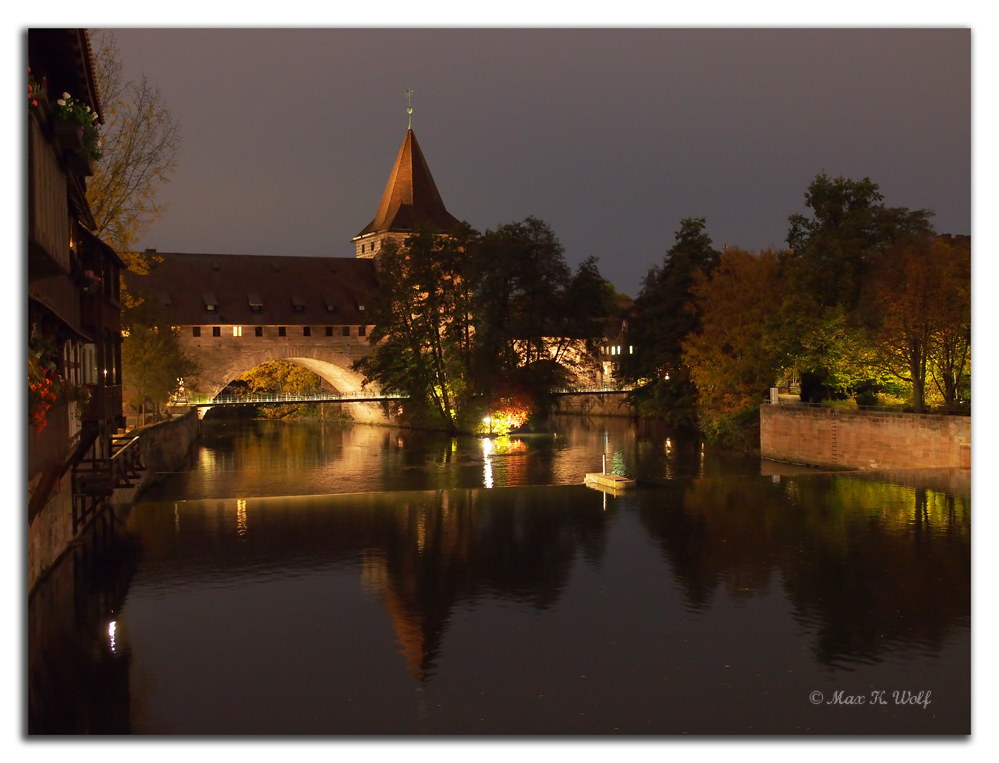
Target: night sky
column 610, row 136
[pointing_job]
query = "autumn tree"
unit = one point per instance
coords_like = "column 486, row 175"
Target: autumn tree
column 140, row 143
column 922, row 297
column 280, row 376
column 732, row 357
column 664, row 314
column 950, row 348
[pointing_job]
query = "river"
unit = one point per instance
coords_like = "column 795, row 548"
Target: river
column 309, row 578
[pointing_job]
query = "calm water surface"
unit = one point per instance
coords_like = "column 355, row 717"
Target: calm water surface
column 303, row 578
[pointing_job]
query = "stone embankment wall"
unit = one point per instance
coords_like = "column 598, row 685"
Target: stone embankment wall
column 612, row 404
column 864, row 439
column 164, row 447
column 51, row 531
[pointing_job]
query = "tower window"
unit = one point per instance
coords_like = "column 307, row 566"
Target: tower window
column 216, row 331
column 329, row 331
column 306, row 330
column 258, row 330
column 346, row 330
column 237, row 331
column 282, row 331
column 361, row 330
column 196, row 331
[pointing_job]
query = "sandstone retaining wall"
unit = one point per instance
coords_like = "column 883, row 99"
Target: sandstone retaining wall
column 864, row 439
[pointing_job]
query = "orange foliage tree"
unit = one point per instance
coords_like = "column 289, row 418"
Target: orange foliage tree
column 733, row 359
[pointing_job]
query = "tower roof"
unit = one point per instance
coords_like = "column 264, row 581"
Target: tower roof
column 411, row 195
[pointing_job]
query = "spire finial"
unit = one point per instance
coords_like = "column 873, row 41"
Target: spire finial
column 409, row 108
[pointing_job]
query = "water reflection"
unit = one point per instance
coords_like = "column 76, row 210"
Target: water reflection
column 421, row 553
column 260, row 458
column 869, row 566
column 694, row 604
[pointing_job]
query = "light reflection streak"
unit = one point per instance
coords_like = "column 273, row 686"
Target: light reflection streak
column 487, row 469
column 111, row 629
column 241, row 517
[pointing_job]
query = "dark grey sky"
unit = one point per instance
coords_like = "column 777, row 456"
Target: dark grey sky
column 610, row 136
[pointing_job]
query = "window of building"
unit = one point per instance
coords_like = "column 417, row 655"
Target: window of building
column 237, row 331
column 306, row 330
column 346, row 330
column 361, row 330
column 258, row 330
column 329, row 331
column 282, row 331
column 216, row 331
column 196, row 331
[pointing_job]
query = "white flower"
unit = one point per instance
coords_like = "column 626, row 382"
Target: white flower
column 87, row 108
column 61, row 102
column 66, row 95
column 95, row 116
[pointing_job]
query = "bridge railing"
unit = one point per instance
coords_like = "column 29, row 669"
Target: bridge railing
column 264, row 398
column 272, row 398
column 599, row 390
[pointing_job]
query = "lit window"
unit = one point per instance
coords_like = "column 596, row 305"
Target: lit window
column 631, row 350
column 237, row 331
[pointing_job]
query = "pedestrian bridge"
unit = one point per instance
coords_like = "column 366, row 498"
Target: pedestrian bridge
column 269, row 398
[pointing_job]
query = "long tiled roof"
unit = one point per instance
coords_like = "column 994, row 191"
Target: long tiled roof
column 411, row 195
column 294, row 291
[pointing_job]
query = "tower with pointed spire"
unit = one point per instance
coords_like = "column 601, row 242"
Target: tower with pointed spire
column 410, row 197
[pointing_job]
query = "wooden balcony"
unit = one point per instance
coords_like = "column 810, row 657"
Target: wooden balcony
column 48, row 208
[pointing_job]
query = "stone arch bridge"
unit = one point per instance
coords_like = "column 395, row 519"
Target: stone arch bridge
column 235, row 312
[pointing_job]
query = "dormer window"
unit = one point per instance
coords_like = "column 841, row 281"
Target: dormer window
column 211, row 304
column 298, row 303
column 256, row 304
column 330, row 303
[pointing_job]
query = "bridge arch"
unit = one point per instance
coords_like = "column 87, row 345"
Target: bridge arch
column 333, row 365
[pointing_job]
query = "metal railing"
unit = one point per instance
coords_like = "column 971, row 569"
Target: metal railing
column 96, row 479
column 270, row 398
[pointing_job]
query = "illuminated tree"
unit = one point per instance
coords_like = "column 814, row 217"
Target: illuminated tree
column 923, row 300
column 280, row 376
column 153, row 362
column 422, row 334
